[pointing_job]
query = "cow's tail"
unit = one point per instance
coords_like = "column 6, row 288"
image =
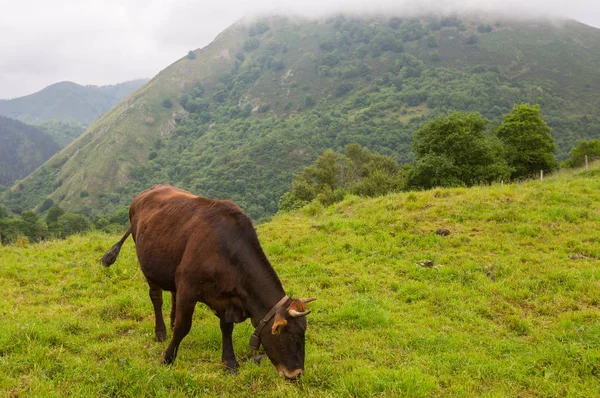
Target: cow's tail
column 111, row 256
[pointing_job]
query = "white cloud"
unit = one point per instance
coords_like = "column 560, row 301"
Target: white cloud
column 108, row 41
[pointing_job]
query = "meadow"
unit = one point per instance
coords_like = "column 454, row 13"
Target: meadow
column 507, row 304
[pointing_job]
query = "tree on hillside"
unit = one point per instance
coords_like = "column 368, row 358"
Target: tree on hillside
column 32, row 227
column 316, row 178
column 52, row 219
column 357, row 171
column 527, row 140
column 453, row 150
column 590, row 148
column 46, row 204
column 70, row 223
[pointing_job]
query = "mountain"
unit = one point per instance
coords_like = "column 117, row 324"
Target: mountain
column 23, row 148
column 68, row 102
column 63, row 132
column 237, row 118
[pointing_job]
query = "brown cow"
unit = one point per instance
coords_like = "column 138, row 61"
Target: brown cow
column 207, row 250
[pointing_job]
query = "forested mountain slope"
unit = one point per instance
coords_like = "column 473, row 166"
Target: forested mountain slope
column 68, row 101
column 22, row 149
column 238, row 117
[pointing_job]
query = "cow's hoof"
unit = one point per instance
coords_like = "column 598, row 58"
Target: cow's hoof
column 257, row 358
column 167, row 361
column 232, row 366
column 160, row 336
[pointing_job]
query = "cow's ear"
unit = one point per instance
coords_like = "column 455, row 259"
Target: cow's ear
column 278, row 324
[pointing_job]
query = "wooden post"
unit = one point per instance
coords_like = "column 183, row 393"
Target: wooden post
column 541, row 175
column 587, row 167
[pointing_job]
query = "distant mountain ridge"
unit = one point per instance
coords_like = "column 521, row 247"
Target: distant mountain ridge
column 67, row 102
column 238, row 117
column 23, row 148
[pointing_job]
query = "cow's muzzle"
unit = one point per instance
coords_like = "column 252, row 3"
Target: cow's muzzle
column 290, row 374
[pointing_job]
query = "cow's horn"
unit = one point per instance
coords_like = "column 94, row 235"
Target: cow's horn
column 296, row 314
column 307, row 300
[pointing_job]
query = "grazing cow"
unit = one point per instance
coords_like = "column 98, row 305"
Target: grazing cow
column 207, row 250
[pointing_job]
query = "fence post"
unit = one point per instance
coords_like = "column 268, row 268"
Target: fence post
column 586, row 163
column 541, row 175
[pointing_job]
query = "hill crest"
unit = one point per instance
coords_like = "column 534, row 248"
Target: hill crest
column 236, row 118
column 67, row 101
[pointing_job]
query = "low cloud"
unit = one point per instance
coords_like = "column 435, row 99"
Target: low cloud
column 109, row 41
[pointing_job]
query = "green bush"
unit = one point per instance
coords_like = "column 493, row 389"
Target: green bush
column 529, row 145
column 471, row 40
column 578, row 153
column 332, row 175
column 453, row 150
column 70, row 223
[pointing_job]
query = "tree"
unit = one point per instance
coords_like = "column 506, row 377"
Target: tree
column 471, row 40
column 590, row 148
column 332, row 175
column 453, row 150
column 432, row 41
column 527, row 140
column 46, row 204
column 70, row 223
column 53, row 213
column 32, row 227
column 308, row 101
column 167, row 103
column 52, row 219
column 484, row 28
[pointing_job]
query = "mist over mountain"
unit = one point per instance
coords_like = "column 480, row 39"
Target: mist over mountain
column 124, row 40
column 238, row 117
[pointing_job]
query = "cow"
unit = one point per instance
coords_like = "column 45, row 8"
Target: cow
column 204, row 250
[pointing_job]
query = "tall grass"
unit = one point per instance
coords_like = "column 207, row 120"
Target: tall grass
column 510, row 306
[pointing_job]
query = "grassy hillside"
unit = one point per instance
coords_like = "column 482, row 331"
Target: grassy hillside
column 510, row 306
column 22, row 149
column 237, row 118
column 62, row 132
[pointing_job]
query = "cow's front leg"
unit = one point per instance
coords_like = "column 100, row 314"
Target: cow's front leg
column 228, row 356
column 160, row 331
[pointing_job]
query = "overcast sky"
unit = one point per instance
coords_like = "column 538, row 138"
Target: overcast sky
column 110, row 41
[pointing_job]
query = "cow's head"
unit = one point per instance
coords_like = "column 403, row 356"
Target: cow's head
column 284, row 339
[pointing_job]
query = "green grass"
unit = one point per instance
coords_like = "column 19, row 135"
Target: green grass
column 510, row 308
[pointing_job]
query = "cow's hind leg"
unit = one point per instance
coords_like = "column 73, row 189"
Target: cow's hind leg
column 228, row 356
column 184, row 312
column 173, row 306
column 160, row 331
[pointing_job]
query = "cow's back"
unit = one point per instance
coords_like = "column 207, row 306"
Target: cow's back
column 164, row 222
